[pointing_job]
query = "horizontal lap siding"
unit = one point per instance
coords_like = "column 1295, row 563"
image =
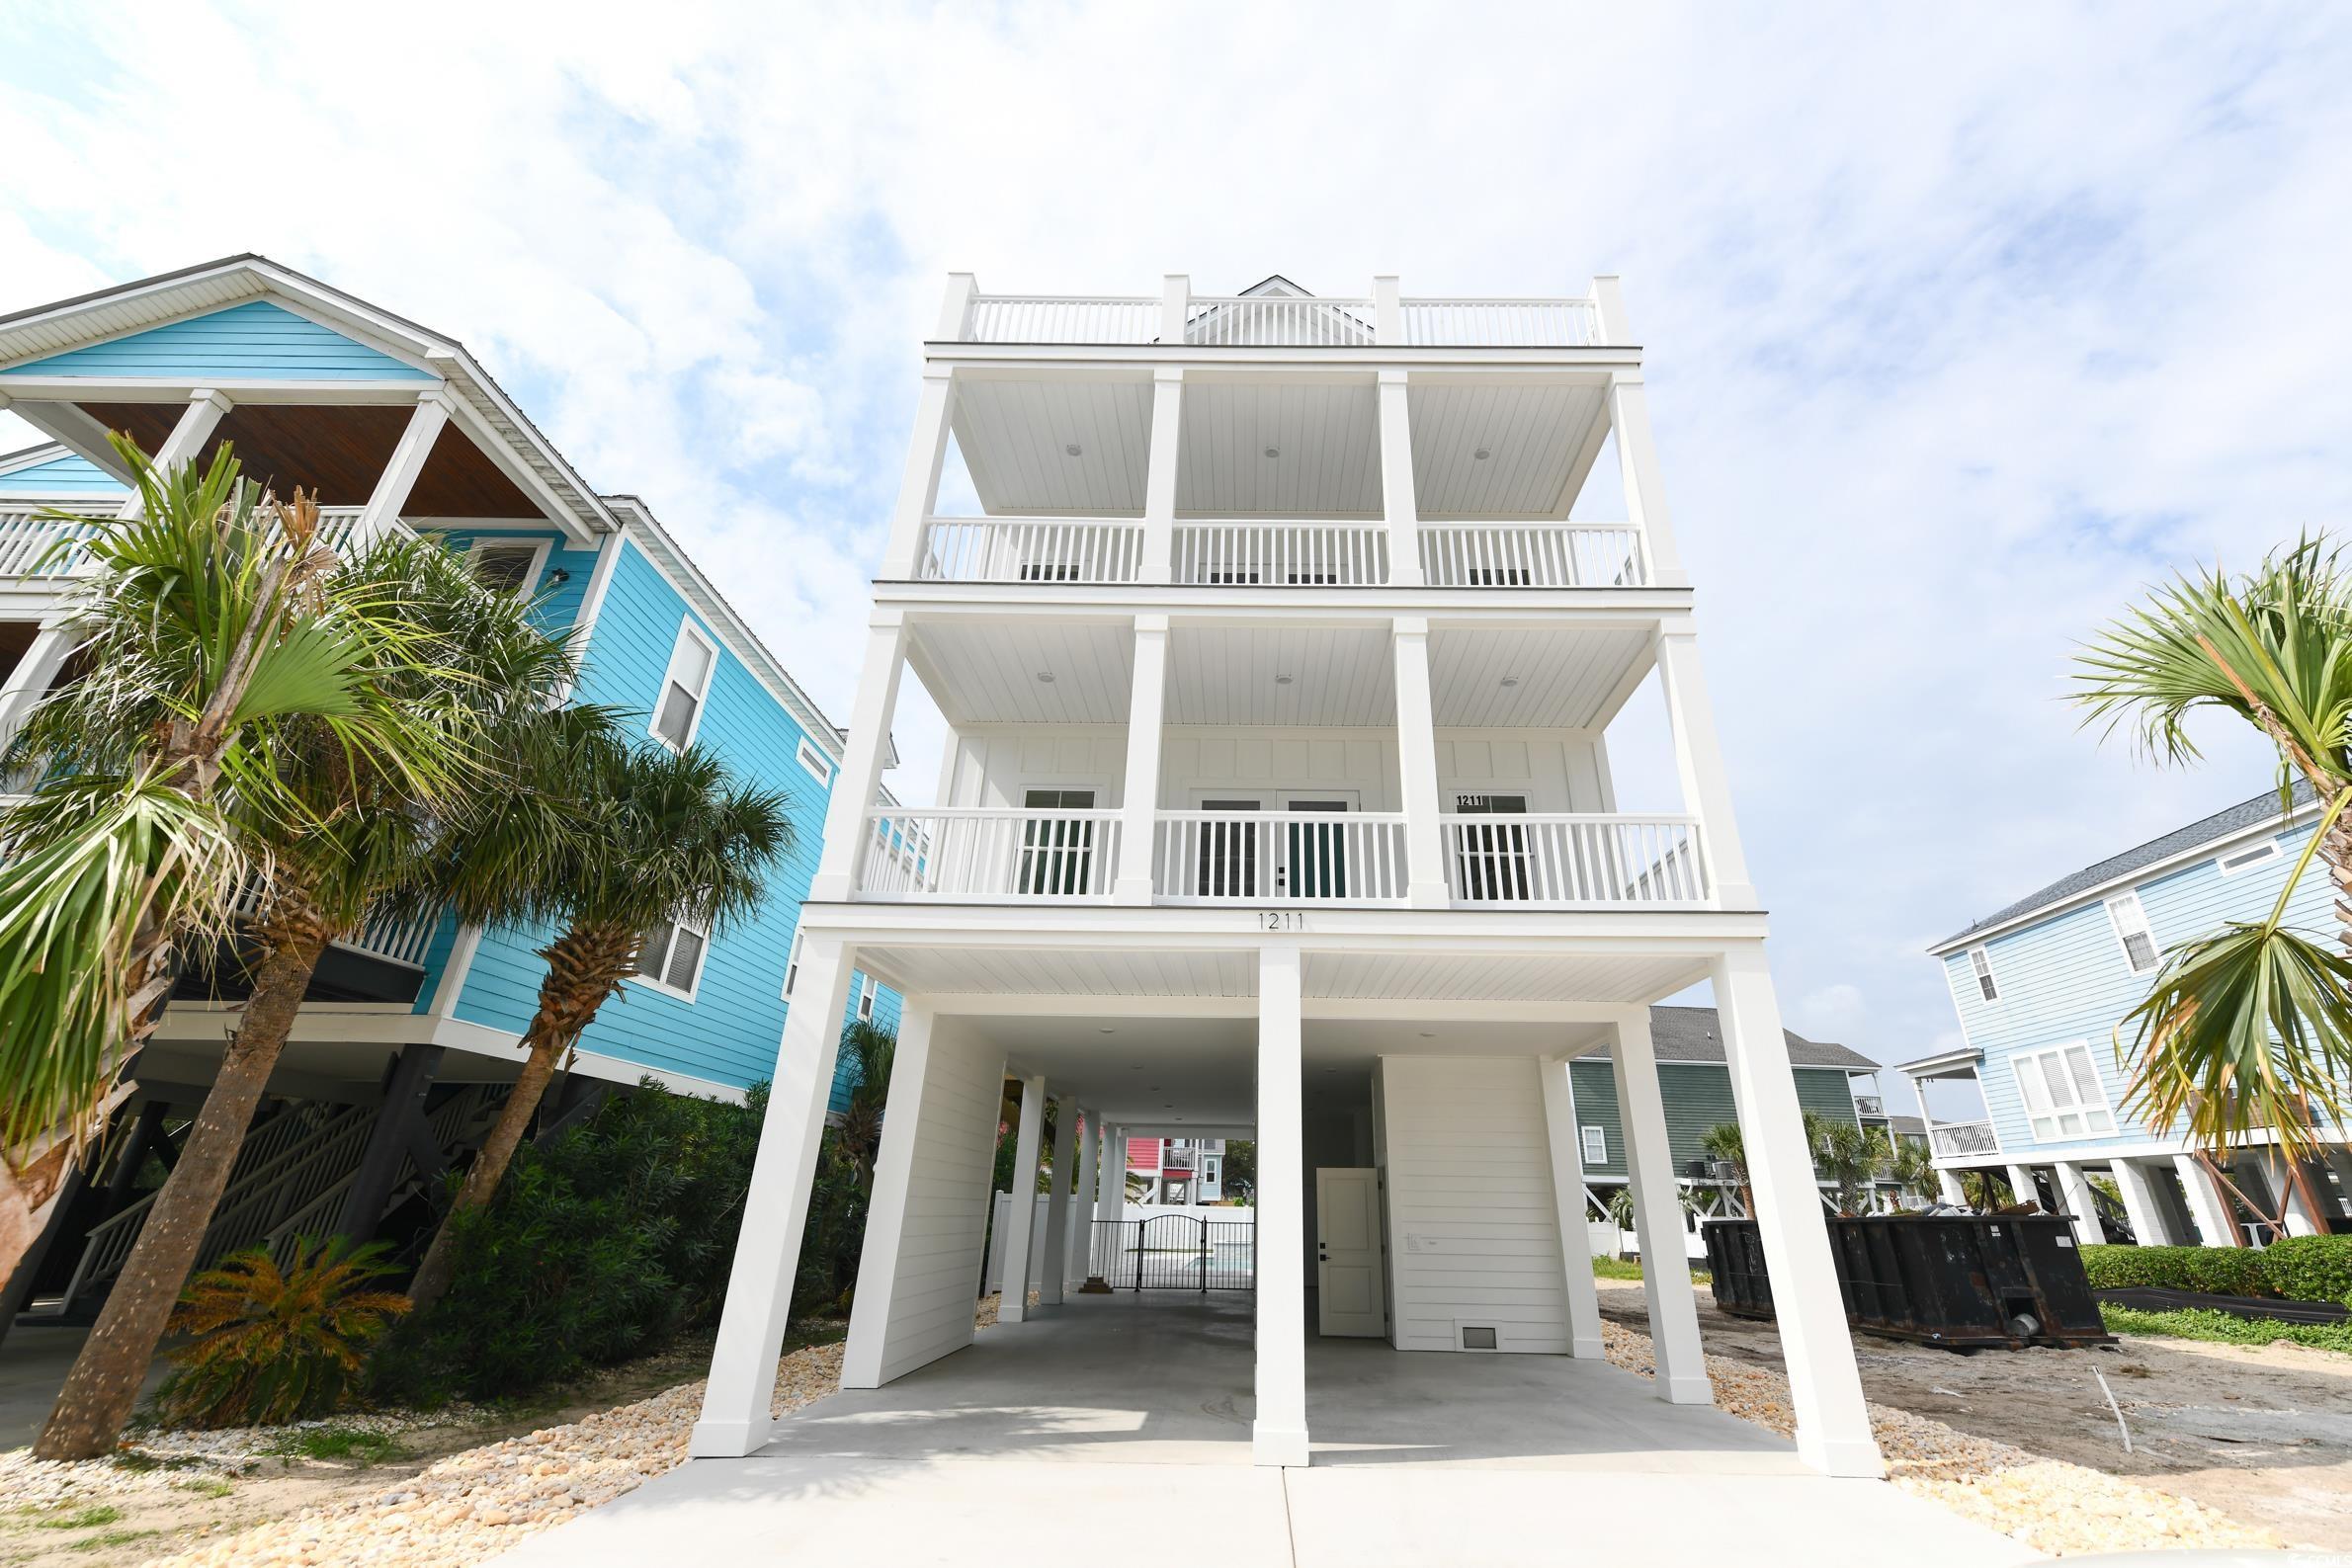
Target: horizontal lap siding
column 259, row 341
column 2065, row 979
column 70, row 476
column 730, row 1032
column 1469, row 1175
column 938, row 1267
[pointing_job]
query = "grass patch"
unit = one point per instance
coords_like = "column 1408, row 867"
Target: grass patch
column 210, row 1486
column 84, row 1518
column 357, row 1445
column 1616, row 1268
column 114, row 1538
column 138, row 1461
column 2223, row 1329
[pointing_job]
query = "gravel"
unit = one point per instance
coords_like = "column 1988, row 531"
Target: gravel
column 2052, row 1505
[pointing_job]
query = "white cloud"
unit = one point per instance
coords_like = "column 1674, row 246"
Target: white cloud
column 1961, row 325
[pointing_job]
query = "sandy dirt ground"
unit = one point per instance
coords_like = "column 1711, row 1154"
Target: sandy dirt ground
column 2264, row 1435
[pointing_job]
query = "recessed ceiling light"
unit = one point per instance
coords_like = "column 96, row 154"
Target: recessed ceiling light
column 1425, row 1034
column 1273, row 452
column 1045, row 676
column 1074, row 450
column 1482, row 455
column 1134, row 1067
column 1510, row 680
column 1282, row 680
column 1105, row 1031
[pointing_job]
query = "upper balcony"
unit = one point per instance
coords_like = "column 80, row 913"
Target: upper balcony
column 1274, row 315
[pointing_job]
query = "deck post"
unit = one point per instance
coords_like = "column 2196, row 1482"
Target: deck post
column 1699, row 765
column 405, row 1088
column 1077, row 1253
column 1657, row 1217
column 409, row 456
column 1138, row 812
column 2150, row 1226
column 1158, row 540
column 1833, row 1433
column 2075, row 1189
column 857, row 782
column 1054, row 1270
column 741, row 1393
column 1416, row 767
column 191, row 434
column 1948, row 1189
column 894, row 1176
column 1398, row 503
column 1279, row 1435
column 918, row 485
column 1021, row 1204
column 1568, row 1203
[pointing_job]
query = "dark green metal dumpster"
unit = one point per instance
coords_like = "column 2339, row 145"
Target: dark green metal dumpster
column 1961, row 1281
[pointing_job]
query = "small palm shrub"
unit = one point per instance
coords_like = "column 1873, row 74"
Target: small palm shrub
column 273, row 1345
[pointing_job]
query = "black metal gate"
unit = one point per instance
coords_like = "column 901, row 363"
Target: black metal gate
column 1177, row 1252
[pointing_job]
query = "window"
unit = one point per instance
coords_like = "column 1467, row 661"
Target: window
column 2063, row 1095
column 791, row 967
column 1983, row 964
column 2237, row 861
column 865, row 1001
column 1057, row 853
column 814, row 760
column 506, row 567
column 670, row 958
column 1491, row 858
column 1596, row 1146
column 683, row 689
column 2130, row 928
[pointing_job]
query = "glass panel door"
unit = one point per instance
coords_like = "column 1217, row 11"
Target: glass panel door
column 1228, row 853
column 1314, row 856
column 1492, row 858
column 1057, row 853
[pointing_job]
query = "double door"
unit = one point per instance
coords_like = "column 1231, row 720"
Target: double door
column 1295, row 860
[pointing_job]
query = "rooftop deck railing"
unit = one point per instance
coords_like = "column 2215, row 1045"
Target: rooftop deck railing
column 1501, row 323
column 1278, row 321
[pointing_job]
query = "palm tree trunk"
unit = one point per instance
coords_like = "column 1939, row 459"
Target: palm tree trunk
column 103, row 1387
column 583, row 968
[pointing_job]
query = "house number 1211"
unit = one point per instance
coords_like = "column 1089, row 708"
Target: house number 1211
column 1282, row 920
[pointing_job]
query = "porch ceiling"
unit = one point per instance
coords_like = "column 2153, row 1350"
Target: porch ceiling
column 1138, row 1071
column 1515, row 679
column 340, row 452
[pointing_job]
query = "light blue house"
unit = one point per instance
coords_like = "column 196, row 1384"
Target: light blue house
column 398, row 428
column 2041, row 988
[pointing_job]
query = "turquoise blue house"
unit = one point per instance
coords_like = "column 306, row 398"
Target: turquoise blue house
column 397, row 427
column 2037, row 1091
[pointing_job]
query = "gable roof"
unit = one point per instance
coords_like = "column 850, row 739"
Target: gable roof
column 53, row 472
column 1694, row 1034
column 2262, row 811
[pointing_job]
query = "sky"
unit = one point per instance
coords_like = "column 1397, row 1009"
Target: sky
column 1962, row 324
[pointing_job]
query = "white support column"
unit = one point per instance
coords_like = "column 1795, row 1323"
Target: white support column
column 1416, row 761
column 1644, row 483
column 1948, row 1189
column 1057, row 1206
column 1567, row 1204
column 741, row 1392
column 2280, row 1175
column 1158, row 564
column 955, row 311
column 1110, row 1196
column 1020, row 1212
column 1397, row 502
column 28, row 681
column 1657, row 1217
column 1699, row 764
column 1175, row 307
column 2075, row 1189
column 381, row 514
column 2340, row 1157
column 918, row 485
column 1833, row 1432
column 1138, row 812
column 1077, row 1258
column 857, row 782
column 2021, row 1183
column 189, row 438
column 1387, row 310
column 2150, row 1225
column 2207, row 1206
column 1279, row 1436
column 885, row 1215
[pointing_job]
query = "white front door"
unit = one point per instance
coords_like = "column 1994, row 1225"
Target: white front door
column 1351, row 1291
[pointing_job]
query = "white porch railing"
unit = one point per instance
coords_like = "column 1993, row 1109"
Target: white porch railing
column 378, row 937
column 1533, row 555
column 1282, row 555
column 1278, row 321
column 989, row 853
column 1001, row 550
column 1496, row 860
column 27, row 538
column 1291, row 857
column 1060, row 318
column 1956, row 1138
column 1501, row 323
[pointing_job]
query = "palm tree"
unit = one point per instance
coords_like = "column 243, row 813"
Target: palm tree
column 871, row 1050
column 2249, row 1028
column 215, row 623
column 357, row 836
column 1913, row 1168
column 658, row 836
column 1849, row 1154
column 1725, row 1142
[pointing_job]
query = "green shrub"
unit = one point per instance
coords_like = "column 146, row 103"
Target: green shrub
column 2210, row 1271
column 272, row 1345
column 2310, row 1268
column 600, row 1246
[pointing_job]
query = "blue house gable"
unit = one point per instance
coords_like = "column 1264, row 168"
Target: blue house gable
column 2070, row 977
column 66, row 476
column 254, row 341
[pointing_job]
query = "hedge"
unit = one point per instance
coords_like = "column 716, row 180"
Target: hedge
column 2297, row 1268
column 2226, row 1330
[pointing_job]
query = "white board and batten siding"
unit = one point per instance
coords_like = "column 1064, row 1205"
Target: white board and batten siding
column 1474, row 1235
column 944, row 1230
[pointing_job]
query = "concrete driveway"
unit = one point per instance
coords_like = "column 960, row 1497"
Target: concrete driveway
column 1116, row 1425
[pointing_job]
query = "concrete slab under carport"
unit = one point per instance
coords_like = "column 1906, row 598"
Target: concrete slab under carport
column 1115, row 1422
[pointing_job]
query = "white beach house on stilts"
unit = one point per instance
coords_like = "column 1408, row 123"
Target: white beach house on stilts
column 1276, row 806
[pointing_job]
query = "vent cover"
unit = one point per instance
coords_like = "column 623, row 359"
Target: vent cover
column 1477, row 1339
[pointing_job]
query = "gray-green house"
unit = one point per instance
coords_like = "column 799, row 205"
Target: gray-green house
column 1696, row 1084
